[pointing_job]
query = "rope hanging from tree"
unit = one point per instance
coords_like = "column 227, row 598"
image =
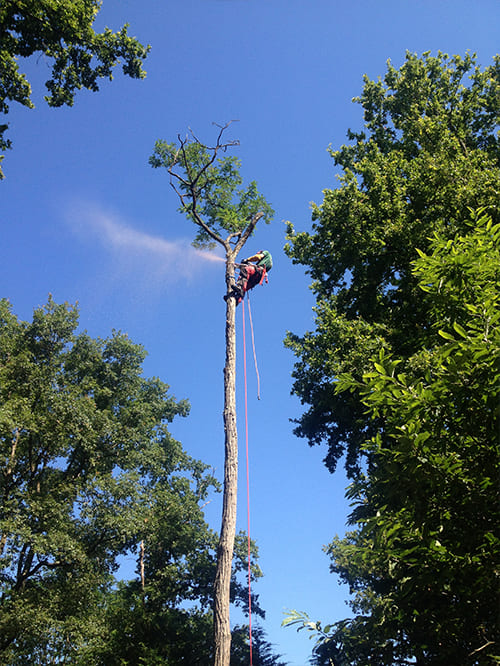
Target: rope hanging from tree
column 253, row 347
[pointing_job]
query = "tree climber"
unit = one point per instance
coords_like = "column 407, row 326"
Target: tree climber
column 251, row 275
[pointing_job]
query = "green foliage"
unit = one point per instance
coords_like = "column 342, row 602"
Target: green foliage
column 262, row 651
column 325, row 652
column 209, row 188
column 62, row 31
column 403, row 370
column 423, row 559
column 88, row 471
column 429, row 152
column 169, row 621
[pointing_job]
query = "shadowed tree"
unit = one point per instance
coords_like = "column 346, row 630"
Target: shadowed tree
column 211, row 195
column 401, row 373
column 87, row 466
column 429, row 151
column 90, row 477
column 422, row 557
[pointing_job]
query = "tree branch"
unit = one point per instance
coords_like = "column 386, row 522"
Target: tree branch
column 191, row 181
column 12, row 457
column 481, row 648
column 191, row 186
column 23, row 564
column 206, row 228
column 141, row 565
column 247, row 232
column 8, row 474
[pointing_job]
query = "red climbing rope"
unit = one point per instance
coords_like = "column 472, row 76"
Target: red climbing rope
column 248, row 482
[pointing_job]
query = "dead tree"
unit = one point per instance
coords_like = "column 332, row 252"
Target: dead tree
column 207, row 185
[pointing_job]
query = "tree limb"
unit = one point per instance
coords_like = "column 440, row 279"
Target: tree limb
column 481, row 648
column 191, row 181
column 141, row 566
column 247, row 232
column 7, row 475
column 206, row 228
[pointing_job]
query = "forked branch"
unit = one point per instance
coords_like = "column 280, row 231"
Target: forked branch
column 191, row 183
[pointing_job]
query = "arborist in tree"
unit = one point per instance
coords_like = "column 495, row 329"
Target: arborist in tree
column 253, row 271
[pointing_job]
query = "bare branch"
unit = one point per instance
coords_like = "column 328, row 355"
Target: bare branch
column 223, row 128
column 8, row 476
column 190, row 183
column 206, row 228
column 231, row 237
column 248, row 231
column 186, row 161
column 481, row 648
column 215, row 150
column 141, row 566
column 12, row 457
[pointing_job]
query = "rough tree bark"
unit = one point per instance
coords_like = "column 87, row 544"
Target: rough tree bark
column 222, row 628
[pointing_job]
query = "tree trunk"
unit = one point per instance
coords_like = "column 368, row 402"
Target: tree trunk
column 222, row 628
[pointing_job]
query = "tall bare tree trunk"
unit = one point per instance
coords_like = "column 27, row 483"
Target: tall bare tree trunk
column 222, row 628
column 194, row 169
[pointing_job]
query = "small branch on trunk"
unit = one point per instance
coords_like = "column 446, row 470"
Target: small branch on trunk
column 483, row 647
column 141, row 566
column 12, row 457
column 8, row 475
column 247, row 232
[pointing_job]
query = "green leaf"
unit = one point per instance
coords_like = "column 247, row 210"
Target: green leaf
column 460, row 330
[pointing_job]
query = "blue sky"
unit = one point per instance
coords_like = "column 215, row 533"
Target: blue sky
column 85, row 218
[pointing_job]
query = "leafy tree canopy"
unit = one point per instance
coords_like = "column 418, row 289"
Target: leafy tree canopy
column 88, row 473
column 430, row 149
column 262, row 650
column 62, row 31
column 170, row 619
column 422, row 561
column 210, row 192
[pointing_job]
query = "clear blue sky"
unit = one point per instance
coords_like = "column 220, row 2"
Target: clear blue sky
column 85, row 218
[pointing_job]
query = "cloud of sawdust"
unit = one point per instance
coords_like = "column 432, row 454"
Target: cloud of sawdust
column 134, row 251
